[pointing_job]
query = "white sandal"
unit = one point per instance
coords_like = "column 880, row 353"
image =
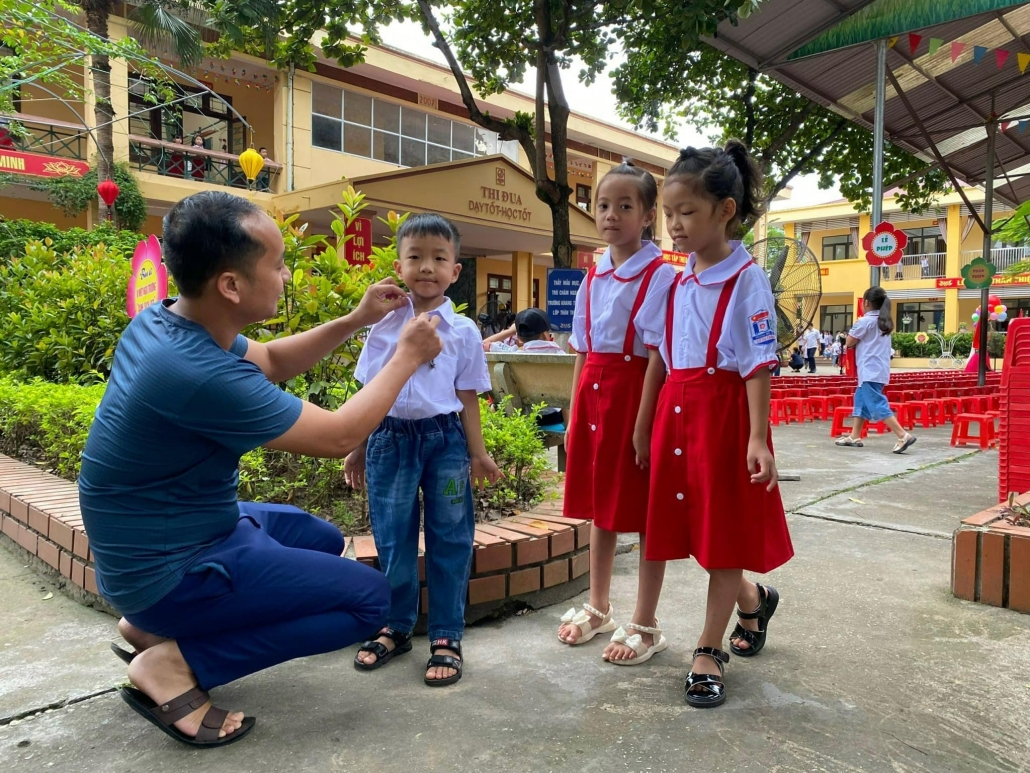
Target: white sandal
column 581, row 619
column 636, row 643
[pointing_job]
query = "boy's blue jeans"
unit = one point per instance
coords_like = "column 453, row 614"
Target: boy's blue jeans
column 404, row 457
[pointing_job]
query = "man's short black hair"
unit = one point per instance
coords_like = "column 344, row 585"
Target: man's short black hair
column 204, row 235
column 429, row 224
column 262, row 148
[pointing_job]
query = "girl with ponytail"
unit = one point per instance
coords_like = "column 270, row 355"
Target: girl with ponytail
column 714, row 492
column 870, row 337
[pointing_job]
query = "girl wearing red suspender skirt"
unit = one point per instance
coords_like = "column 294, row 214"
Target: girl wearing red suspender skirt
column 616, row 381
column 714, row 492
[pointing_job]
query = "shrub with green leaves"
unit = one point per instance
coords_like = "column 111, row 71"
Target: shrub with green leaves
column 48, row 424
column 62, row 314
column 15, row 234
column 513, row 440
column 906, row 346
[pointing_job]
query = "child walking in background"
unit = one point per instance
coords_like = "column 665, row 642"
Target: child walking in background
column 714, row 489
column 429, row 442
column 870, row 337
column 616, row 379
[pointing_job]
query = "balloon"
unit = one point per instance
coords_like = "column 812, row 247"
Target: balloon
column 1002, row 317
column 994, row 317
column 999, row 309
column 976, row 318
column 993, row 300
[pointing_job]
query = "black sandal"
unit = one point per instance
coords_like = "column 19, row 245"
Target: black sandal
column 402, row 642
column 769, row 599
column 705, row 691
column 444, row 661
column 123, row 654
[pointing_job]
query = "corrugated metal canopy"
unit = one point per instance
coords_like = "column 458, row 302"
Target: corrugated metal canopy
column 954, row 99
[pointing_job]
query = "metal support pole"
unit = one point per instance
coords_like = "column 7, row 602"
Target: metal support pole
column 881, row 102
column 985, row 294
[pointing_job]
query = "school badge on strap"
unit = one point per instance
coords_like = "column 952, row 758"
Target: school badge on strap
column 762, row 332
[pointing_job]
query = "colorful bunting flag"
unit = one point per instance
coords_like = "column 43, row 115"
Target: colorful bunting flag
column 1022, row 127
column 892, row 42
column 1001, row 56
column 979, row 52
column 956, row 51
column 913, row 42
column 935, row 43
column 1024, row 60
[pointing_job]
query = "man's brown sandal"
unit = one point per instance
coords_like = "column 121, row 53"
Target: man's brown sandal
column 402, row 644
column 165, row 715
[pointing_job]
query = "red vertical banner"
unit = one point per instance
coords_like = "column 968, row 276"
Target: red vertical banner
column 358, row 248
column 584, row 259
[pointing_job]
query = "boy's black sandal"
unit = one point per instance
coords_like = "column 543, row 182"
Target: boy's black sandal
column 769, row 599
column 444, row 661
column 705, row 691
column 383, row 655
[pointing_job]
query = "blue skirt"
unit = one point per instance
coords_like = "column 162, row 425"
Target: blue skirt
column 871, row 404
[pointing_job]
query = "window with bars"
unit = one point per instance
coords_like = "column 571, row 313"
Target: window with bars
column 925, row 241
column 837, row 248
column 366, row 126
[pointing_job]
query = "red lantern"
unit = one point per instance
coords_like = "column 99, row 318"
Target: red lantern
column 108, row 191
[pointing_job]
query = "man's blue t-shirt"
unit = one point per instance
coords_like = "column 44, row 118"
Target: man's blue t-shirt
column 159, row 477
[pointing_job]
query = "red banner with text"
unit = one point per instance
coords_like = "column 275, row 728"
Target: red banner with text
column 38, row 165
column 358, row 249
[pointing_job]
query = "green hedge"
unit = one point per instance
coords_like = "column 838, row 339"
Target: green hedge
column 61, row 314
column 906, row 346
column 48, row 424
column 15, row 234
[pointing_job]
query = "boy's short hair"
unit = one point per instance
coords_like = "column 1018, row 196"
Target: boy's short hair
column 531, row 323
column 429, row 224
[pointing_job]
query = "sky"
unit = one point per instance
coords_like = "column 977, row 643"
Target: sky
column 595, row 100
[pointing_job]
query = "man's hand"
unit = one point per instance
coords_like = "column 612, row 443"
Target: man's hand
column 354, row 468
column 485, row 470
column 378, row 301
column 418, row 341
column 761, row 464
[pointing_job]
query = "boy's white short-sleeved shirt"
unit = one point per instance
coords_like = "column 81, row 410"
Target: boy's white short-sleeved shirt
column 612, row 295
column 873, row 354
column 748, row 342
column 433, row 389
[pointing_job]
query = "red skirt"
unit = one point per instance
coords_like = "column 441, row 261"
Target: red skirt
column 703, row 503
column 602, row 480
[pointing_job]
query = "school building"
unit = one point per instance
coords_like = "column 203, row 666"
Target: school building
column 926, row 288
column 394, row 127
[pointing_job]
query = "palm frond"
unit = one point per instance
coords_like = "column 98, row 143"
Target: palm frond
column 156, row 25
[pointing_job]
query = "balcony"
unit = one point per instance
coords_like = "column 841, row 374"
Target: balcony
column 188, row 163
column 50, row 137
column 928, row 266
column 1001, row 257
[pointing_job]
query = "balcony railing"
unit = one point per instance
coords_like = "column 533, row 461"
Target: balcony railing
column 928, row 266
column 188, row 163
column 34, row 134
column 1001, row 257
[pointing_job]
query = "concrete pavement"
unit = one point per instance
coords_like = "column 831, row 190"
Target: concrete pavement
column 872, row 665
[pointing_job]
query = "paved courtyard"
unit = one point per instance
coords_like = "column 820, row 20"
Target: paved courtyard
column 872, row 664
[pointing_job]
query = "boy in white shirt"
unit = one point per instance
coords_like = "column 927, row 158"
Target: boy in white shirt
column 430, row 442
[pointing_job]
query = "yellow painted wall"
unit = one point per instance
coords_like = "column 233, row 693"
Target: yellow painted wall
column 43, row 211
column 35, row 101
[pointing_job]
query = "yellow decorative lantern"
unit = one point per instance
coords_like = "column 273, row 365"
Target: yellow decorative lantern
column 251, row 163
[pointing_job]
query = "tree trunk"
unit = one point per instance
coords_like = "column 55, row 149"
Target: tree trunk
column 97, row 13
